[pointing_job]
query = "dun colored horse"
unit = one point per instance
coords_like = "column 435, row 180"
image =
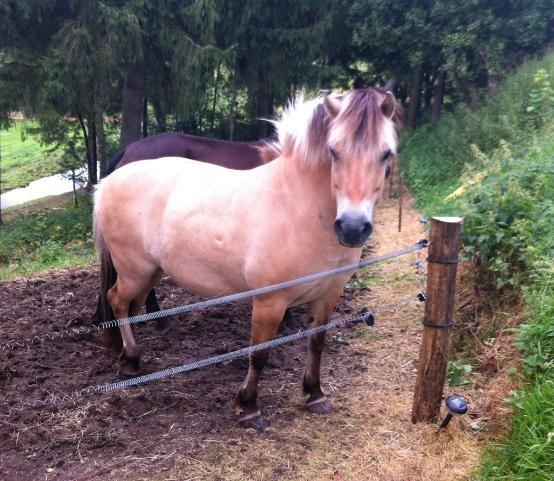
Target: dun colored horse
column 218, row 231
column 233, row 155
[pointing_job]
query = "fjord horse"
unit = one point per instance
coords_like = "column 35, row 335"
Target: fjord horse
column 217, row 231
column 233, row 155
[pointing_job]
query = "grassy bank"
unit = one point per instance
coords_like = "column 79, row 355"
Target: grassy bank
column 48, row 234
column 495, row 166
column 23, row 158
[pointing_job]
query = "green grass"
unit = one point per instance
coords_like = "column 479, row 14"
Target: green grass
column 23, row 158
column 495, row 167
column 529, row 453
column 53, row 238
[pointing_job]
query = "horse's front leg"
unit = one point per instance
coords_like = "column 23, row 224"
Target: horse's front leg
column 319, row 312
column 266, row 317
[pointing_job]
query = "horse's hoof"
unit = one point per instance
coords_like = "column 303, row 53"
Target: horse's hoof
column 319, row 405
column 163, row 323
column 128, row 367
column 254, row 420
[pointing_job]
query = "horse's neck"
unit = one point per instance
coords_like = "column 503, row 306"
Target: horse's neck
column 309, row 187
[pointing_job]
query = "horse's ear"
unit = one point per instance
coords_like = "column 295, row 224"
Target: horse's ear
column 388, row 105
column 331, row 104
column 389, row 86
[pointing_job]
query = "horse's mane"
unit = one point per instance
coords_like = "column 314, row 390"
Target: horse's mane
column 305, row 126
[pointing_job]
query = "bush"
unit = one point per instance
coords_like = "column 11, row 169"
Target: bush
column 509, row 210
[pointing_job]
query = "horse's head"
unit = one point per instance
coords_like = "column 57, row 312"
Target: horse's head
column 361, row 142
column 353, row 137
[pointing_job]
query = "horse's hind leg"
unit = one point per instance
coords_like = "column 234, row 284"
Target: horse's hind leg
column 153, row 306
column 126, row 299
column 319, row 312
column 266, row 317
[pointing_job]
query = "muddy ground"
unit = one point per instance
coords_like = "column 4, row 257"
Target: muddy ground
column 145, row 421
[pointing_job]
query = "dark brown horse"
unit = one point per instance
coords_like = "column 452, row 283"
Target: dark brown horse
column 233, row 155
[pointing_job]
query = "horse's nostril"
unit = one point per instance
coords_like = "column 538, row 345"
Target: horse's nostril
column 367, row 229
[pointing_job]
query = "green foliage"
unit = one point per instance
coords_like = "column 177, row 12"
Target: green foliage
column 509, row 213
column 541, row 99
column 495, row 168
column 55, row 238
column 458, row 373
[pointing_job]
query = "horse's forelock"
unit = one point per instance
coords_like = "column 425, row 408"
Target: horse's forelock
column 306, row 127
column 361, row 121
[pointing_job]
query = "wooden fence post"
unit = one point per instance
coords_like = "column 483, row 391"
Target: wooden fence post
column 400, row 192
column 391, row 174
column 441, row 285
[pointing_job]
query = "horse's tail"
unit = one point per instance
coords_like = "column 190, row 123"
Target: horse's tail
column 108, row 277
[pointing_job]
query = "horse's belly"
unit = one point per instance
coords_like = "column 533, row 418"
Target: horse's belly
column 317, row 290
column 206, row 284
column 204, row 271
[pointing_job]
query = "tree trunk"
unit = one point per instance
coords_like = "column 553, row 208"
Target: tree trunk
column 102, row 147
column 91, row 172
column 470, row 94
column 74, row 185
column 159, row 114
column 492, row 83
column 93, row 168
column 415, row 97
column 438, row 97
column 99, row 124
column 133, row 97
column 145, row 117
column 232, row 107
column 264, row 101
column 429, row 81
column 492, row 77
column 215, row 96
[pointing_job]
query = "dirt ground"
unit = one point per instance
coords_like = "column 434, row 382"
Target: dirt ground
column 183, row 428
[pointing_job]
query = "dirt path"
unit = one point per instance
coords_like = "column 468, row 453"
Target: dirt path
column 182, row 428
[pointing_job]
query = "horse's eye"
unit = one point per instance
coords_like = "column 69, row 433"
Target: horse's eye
column 334, row 154
column 386, row 156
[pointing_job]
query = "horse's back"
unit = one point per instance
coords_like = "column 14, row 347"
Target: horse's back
column 159, row 179
column 234, row 155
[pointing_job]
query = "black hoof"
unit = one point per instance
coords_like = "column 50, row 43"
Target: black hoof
column 254, row 420
column 319, row 405
column 128, row 366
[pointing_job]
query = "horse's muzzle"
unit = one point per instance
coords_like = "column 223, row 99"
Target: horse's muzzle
column 352, row 229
